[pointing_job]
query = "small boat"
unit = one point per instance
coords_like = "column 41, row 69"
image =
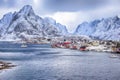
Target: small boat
column 113, row 56
column 83, row 48
column 118, row 50
column 23, row 45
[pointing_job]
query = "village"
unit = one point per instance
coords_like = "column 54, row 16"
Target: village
column 86, row 44
column 82, row 43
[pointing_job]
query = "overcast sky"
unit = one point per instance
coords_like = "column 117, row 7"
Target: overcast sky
column 67, row 12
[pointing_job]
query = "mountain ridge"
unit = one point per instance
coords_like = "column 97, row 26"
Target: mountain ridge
column 104, row 29
column 27, row 24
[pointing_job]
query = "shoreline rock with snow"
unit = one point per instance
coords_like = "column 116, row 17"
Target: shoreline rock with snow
column 5, row 65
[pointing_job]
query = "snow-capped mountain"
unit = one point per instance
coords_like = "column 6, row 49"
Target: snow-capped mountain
column 105, row 29
column 26, row 24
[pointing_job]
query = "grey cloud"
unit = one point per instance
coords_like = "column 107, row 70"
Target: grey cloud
column 72, row 5
column 52, row 6
column 15, row 3
column 7, row 3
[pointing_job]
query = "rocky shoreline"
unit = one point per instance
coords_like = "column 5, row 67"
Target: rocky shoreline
column 6, row 65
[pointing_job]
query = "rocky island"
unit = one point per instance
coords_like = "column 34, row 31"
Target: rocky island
column 5, row 65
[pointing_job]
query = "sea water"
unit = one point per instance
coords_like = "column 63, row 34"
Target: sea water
column 41, row 62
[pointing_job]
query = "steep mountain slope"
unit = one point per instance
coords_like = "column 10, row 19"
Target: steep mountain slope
column 86, row 28
column 5, row 22
column 61, row 28
column 26, row 24
column 105, row 29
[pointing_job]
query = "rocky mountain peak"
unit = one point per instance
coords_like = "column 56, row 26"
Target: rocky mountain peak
column 28, row 25
column 27, row 10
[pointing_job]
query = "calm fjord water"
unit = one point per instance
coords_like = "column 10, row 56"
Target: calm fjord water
column 41, row 62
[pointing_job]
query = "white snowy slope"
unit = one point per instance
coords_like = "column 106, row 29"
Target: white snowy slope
column 87, row 28
column 5, row 22
column 26, row 24
column 105, row 29
column 61, row 28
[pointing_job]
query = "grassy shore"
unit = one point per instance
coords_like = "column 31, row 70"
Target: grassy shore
column 5, row 65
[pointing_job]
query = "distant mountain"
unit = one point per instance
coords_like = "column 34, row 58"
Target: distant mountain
column 26, row 24
column 105, row 29
column 86, row 28
column 61, row 28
